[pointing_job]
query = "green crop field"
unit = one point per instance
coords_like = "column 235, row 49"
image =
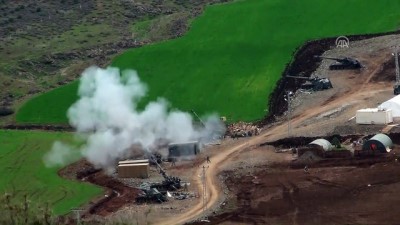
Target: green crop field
column 46, row 108
column 23, row 171
column 233, row 55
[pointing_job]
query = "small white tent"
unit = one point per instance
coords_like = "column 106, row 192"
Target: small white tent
column 393, row 104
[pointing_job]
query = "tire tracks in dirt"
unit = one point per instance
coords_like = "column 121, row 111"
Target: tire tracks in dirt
column 212, row 186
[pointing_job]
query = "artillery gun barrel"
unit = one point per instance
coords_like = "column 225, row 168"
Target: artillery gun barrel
column 197, row 116
column 162, row 171
column 153, row 159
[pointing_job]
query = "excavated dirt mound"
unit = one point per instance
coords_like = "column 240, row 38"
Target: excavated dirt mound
column 335, row 195
column 73, row 170
column 117, row 194
column 387, row 72
column 37, row 127
column 304, row 63
column 334, row 191
column 302, row 141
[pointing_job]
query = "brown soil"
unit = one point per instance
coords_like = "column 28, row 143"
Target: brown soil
column 387, row 73
column 117, row 194
column 334, row 195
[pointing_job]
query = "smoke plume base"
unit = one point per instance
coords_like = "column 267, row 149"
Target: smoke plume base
column 107, row 117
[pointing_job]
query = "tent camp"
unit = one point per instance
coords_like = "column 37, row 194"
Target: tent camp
column 394, row 105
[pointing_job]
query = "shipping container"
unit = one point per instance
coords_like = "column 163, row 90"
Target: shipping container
column 374, row 116
column 140, row 170
column 183, row 150
column 136, row 161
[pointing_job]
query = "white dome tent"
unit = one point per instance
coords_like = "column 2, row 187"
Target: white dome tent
column 394, row 105
column 324, row 144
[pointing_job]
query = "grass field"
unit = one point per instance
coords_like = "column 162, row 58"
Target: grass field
column 23, row 171
column 233, row 55
column 47, row 109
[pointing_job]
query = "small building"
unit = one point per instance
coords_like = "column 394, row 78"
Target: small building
column 183, row 151
column 378, row 143
column 133, row 169
column 136, row 161
column 374, row 116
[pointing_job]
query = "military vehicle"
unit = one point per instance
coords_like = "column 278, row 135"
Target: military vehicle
column 314, row 83
column 156, row 157
column 169, row 183
column 150, row 195
column 345, row 63
column 156, row 192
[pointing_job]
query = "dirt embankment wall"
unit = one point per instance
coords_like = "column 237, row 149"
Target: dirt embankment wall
column 303, row 63
column 302, row 141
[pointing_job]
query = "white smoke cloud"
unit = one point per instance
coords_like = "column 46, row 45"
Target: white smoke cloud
column 108, row 116
column 60, row 155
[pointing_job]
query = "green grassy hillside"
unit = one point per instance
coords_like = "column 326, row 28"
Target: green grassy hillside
column 23, row 171
column 46, row 109
column 233, row 55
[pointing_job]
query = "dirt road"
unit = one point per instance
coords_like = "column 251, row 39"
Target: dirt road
column 212, row 186
column 224, row 155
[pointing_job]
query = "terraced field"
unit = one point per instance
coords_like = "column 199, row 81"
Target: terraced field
column 24, row 172
column 233, row 55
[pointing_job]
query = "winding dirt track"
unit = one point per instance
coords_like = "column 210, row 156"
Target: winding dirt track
column 365, row 89
column 212, row 186
column 213, row 170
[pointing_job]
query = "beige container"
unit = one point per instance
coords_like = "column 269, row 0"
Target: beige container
column 139, row 161
column 140, row 170
column 374, row 116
